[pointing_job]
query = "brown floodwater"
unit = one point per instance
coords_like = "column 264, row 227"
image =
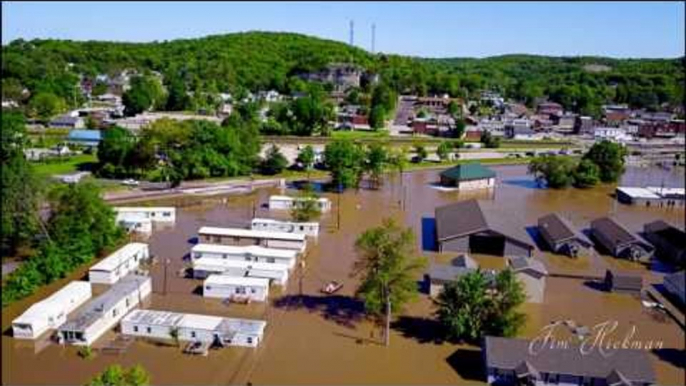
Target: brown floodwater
column 313, row 339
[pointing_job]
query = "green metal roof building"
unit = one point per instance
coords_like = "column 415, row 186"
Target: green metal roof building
column 471, row 175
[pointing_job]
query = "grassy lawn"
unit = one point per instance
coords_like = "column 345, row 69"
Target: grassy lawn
column 68, row 165
column 360, row 135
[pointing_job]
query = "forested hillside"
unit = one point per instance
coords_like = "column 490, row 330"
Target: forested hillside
column 266, row 60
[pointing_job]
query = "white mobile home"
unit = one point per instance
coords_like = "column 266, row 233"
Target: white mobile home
column 230, row 287
column 287, row 202
column 117, row 265
column 105, row 311
column 51, row 313
column 155, row 214
column 303, row 228
column 275, row 272
column 247, row 253
column 142, row 226
column 194, row 327
column 237, row 236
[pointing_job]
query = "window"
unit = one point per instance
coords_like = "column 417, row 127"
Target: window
column 240, row 290
column 135, row 328
column 250, row 340
column 252, row 290
column 149, row 330
column 192, row 334
column 224, row 256
column 114, row 312
column 166, row 214
column 248, row 258
column 217, row 239
column 302, row 228
column 208, row 288
column 271, row 260
column 128, row 302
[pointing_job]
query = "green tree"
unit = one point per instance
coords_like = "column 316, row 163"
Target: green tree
column 115, row 375
column 146, row 93
column 46, row 105
column 556, row 171
column 459, row 129
column 115, row 150
column 274, row 162
column 344, row 160
column 387, row 270
column 376, row 162
column 489, row 140
column 306, row 208
column 509, row 295
column 420, row 152
column 306, row 157
column 609, row 157
column 377, row 117
column 444, row 150
column 586, row 174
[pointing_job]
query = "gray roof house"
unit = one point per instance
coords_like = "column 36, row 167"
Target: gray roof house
column 618, row 241
column 624, row 282
column 440, row 274
column 531, row 273
column 561, row 236
column 675, row 284
column 669, row 241
column 67, row 122
column 513, row 362
column 476, row 226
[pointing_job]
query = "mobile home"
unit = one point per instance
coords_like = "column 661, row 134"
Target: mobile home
column 117, row 265
column 155, row 214
column 105, row 311
column 229, row 287
column 303, row 228
column 286, row 203
column 51, row 313
column 275, row 272
column 237, row 236
column 194, row 327
column 248, row 253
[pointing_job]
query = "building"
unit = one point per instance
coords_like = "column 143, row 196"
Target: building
column 561, row 236
column 236, row 288
column 105, row 311
column 250, row 253
column 476, row 226
column 117, row 265
column 675, row 285
column 237, row 236
column 72, row 178
column 87, row 138
column 286, row 203
column 275, row 272
column 304, row 228
column 583, row 125
column 51, row 312
column 155, row 214
column 549, row 108
column 614, row 115
column 668, row 240
column 623, row 282
column 195, row 328
column 616, row 134
column 512, row 362
column 618, row 241
column 531, row 273
column 67, row 121
column 439, row 275
column 468, row 176
column 650, row 196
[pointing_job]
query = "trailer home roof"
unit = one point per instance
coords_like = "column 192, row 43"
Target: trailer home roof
column 144, row 209
column 53, row 303
column 289, row 198
column 236, row 280
column 238, row 232
column 250, row 249
column 195, row 321
column 272, row 221
column 226, row 264
column 117, row 258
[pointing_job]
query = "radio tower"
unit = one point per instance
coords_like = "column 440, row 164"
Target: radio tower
column 352, row 32
column 373, row 36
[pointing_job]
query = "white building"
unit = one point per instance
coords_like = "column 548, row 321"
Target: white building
column 248, row 253
column 275, row 272
column 142, row 226
column 105, row 311
column 286, row 202
column 238, row 236
column 193, row 327
column 155, row 214
column 51, row 313
column 232, row 287
column 117, row 265
column 617, row 134
column 304, row 228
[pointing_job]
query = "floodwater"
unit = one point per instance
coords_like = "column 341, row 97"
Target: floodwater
column 314, row 339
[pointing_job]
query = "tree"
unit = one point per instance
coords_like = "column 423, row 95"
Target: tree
column 377, row 117
column 146, row 93
column 609, row 157
column 444, row 150
column 460, row 126
column 387, row 270
column 420, row 152
column 556, row 171
column 306, row 208
column 274, row 162
column 344, row 160
column 115, row 375
column 376, row 161
column 115, row 149
column 306, row 158
column 586, row 174
column 489, row 140
column 46, row 105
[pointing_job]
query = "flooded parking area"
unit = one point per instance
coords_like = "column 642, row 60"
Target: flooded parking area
column 312, row 338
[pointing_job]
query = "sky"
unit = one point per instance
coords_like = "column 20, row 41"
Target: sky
column 429, row 29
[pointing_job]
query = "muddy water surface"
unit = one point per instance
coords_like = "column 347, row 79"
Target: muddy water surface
column 313, row 339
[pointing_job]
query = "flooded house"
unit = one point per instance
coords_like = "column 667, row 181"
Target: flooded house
column 249, row 253
column 275, row 272
column 51, row 312
column 513, row 362
column 613, row 237
column 668, row 240
column 236, row 288
column 154, row 214
column 561, row 236
column 117, row 265
column 477, row 226
column 287, row 202
column 439, row 275
column 532, row 274
column 194, row 328
column 468, row 176
column 675, row 285
column 270, row 225
column 623, row 282
column 238, row 236
column 105, row 311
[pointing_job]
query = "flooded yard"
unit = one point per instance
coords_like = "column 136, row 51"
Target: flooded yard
column 316, row 339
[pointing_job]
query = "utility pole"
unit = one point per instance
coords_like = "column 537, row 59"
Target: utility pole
column 338, row 206
column 387, row 335
column 166, row 263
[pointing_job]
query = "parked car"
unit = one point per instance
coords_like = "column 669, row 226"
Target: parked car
column 130, row 182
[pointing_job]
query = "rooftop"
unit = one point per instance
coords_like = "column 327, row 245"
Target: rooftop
column 238, row 232
column 195, row 321
column 213, row 263
column 678, row 281
column 519, row 264
column 53, row 303
column 84, row 135
column 468, row 172
column 559, row 228
column 119, row 257
column 637, row 192
column 613, row 231
column 667, row 232
column 254, row 250
column 234, row 280
column 272, row 221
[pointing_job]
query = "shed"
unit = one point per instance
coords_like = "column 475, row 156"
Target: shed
column 669, row 241
column 233, row 287
column 468, row 176
column 618, row 241
column 476, row 226
column 623, row 282
column 532, row 274
column 561, row 236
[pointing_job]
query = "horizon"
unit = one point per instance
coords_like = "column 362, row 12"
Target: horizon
column 657, row 28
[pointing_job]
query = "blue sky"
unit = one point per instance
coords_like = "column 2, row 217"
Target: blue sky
column 630, row 29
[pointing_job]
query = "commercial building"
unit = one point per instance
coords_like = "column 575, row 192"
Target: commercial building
column 468, row 176
column 193, row 327
column 236, row 288
column 237, row 236
column 249, row 253
column 304, row 228
column 52, row 312
column 117, row 265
